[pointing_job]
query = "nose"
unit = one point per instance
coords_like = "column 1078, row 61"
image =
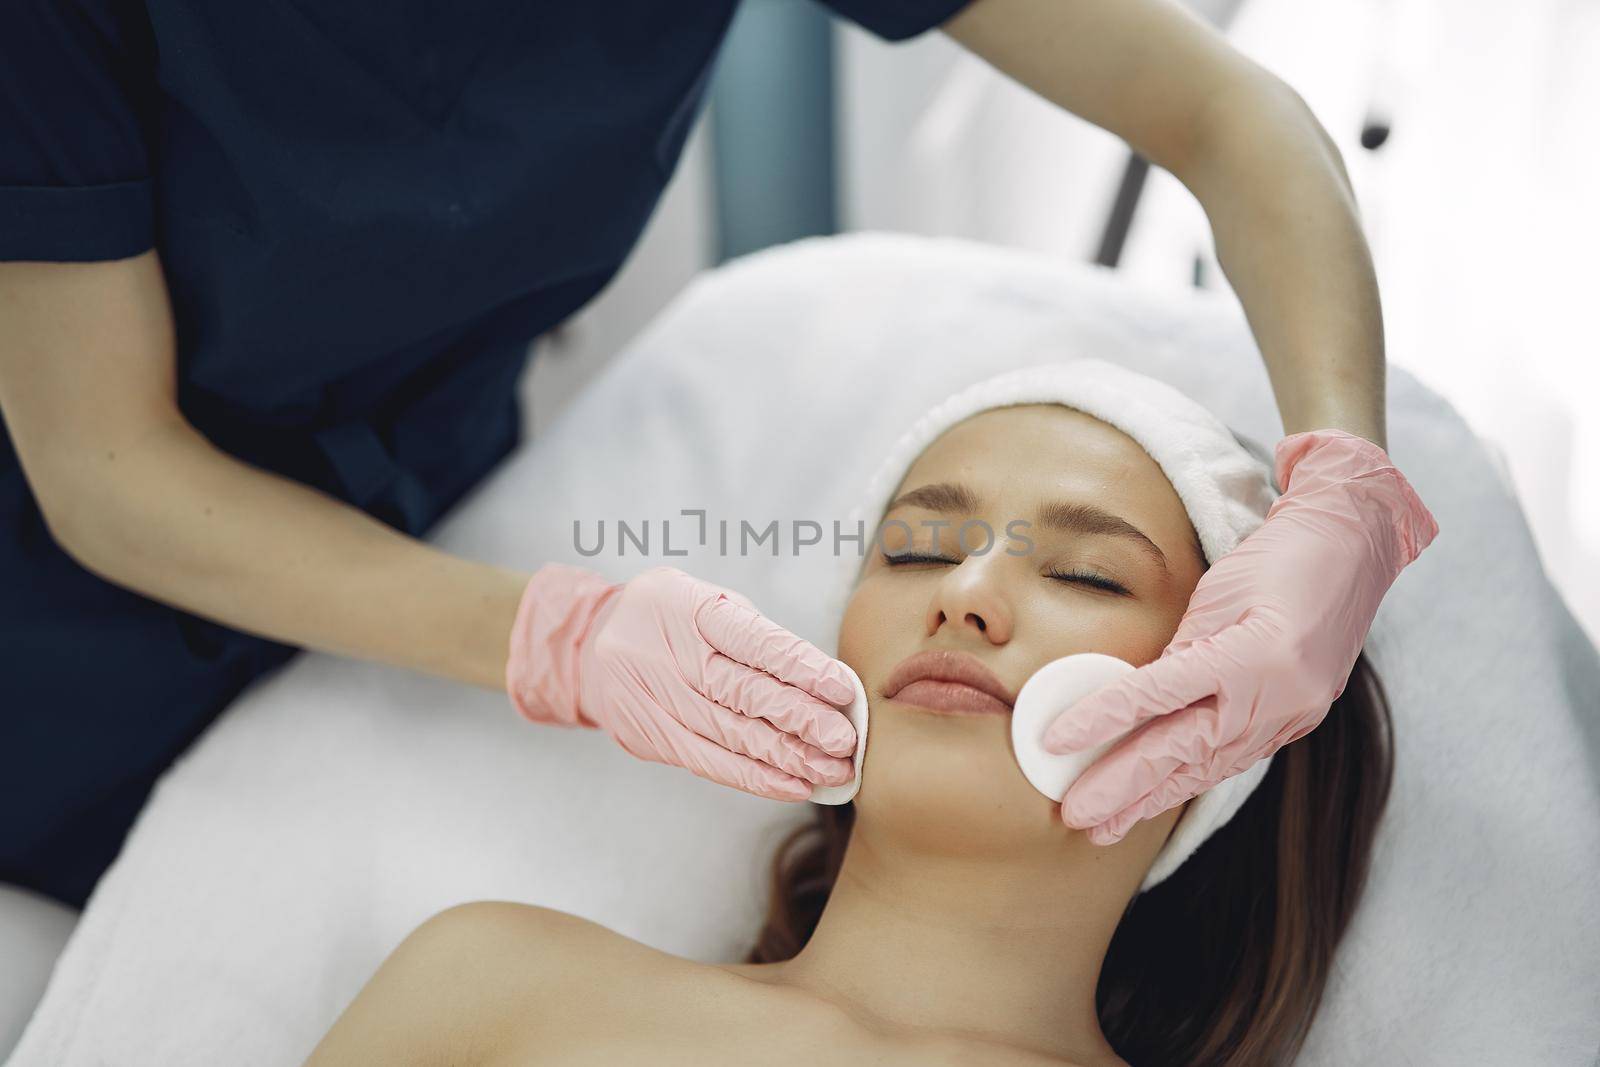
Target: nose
column 972, row 596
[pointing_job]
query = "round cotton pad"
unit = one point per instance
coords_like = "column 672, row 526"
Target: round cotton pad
column 1054, row 688
column 857, row 713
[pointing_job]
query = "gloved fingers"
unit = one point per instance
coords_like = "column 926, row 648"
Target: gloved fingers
column 744, row 634
column 759, row 740
column 761, row 696
column 1168, row 684
column 711, row 761
column 1181, row 786
column 1137, row 765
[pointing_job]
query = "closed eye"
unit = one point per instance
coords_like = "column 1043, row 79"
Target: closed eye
column 1072, row 577
column 893, row 559
column 1085, row 578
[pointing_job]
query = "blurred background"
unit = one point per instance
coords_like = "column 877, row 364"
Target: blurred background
column 1467, row 126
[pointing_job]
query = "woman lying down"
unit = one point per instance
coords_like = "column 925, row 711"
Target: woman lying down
column 947, row 915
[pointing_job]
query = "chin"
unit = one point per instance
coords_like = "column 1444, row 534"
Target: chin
column 950, row 783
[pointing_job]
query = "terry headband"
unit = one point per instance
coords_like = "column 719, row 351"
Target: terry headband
column 1225, row 486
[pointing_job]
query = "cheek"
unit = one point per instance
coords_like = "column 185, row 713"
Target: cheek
column 1144, row 638
column 880, row 617
column 1134, row 631
column 855, row 630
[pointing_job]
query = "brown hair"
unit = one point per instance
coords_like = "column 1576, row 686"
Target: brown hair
column 1225, row 962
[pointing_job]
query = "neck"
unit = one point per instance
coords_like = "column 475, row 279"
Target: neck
column 1002, row 947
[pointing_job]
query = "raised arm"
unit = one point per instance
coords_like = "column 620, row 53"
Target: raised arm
column 1274, row 627
column 1271, row 181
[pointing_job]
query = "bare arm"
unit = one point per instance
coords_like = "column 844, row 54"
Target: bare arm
column 137, row 495
column 1282, row 211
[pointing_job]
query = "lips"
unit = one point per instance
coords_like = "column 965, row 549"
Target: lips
column 949, row 681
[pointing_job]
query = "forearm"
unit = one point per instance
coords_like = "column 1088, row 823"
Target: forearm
column 174, row 518
column 137, row 495
column 1288, row 237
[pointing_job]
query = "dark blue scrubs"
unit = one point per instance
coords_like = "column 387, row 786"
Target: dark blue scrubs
column 366, row 210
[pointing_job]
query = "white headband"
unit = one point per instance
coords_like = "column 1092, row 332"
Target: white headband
column 1223, row 481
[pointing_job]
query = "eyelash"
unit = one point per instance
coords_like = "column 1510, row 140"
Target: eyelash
column 1079, row 577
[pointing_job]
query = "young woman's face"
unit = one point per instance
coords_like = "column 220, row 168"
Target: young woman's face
column 1042, row 591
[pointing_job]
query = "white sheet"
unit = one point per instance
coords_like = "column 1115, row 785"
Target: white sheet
column 337, row 805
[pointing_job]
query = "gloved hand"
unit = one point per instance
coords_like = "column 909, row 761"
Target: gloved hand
column 1266, row 645
column 684, row 672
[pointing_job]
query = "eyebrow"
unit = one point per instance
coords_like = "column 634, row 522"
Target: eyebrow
column 1069, row 516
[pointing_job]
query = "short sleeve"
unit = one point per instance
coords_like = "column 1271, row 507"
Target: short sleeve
column 77, row 96
column 896, row 20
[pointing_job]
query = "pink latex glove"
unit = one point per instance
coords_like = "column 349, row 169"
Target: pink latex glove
column 1266, row 645
column 684, row 672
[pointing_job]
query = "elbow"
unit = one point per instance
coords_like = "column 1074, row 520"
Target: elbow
column 1314, row 130
column 103, row 498
column 98, row 509
column 77, row 518
column 1260, row 121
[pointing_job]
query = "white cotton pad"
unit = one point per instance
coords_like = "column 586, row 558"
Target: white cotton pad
column 857, row 713
column 1054, row 688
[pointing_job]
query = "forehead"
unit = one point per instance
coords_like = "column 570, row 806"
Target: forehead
column 1016, row 457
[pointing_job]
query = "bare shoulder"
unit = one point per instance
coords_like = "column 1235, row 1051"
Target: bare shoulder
column 534, row 957
column 521, row 935
column 477, row 978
